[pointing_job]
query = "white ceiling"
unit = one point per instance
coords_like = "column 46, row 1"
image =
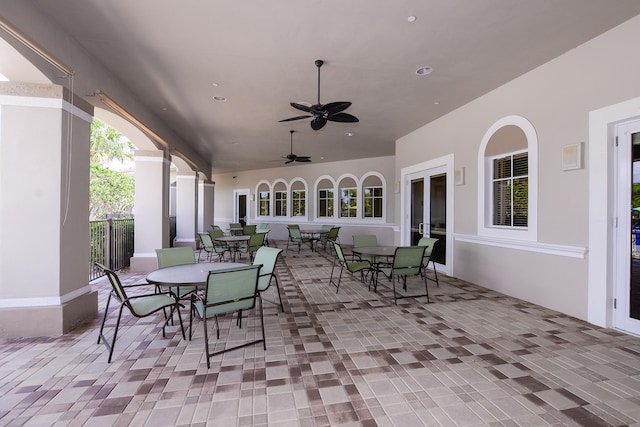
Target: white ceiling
column 261, row 54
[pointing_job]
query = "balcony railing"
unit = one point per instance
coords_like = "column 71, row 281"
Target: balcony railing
column 112, row 243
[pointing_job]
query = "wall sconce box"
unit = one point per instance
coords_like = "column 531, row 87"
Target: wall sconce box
column 572, row 157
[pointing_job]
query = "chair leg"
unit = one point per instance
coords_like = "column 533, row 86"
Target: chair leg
column 279, row 295
column 264, row 340
column 104, row 319
column 115, row 334
column 206, row 341
column 435, row 273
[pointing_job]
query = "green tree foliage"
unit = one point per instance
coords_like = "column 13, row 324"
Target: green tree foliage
column 108, row 145
column 111, row 192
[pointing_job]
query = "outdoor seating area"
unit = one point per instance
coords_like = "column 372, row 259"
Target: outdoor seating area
column 470, row 357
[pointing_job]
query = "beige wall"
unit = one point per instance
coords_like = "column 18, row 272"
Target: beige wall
column 225, row 184
column 556, row 98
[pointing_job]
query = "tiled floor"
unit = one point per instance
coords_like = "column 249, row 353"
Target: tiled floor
column 471, row 357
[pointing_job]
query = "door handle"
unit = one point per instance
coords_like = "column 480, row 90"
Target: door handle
column 421, row 228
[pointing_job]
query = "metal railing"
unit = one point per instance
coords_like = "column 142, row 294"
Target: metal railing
column 111, row 244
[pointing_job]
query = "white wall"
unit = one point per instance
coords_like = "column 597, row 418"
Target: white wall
column 385, row 229
column 556, row 98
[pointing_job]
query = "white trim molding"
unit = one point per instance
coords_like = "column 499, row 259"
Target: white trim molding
column 44, row 301
column 523, row 245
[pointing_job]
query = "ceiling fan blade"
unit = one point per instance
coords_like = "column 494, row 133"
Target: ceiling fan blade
column 303, row 159
column 343, row 118
column 294, row 118
column 301, row 107
column 336, row 107
column 289, row 161
column 318, row 123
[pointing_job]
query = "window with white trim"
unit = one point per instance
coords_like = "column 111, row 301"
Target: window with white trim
column 263, row 200
column 325, row 202
column 508, row 180
column 280, row 198
column 298, row 202
column 372, row 199
column 348, row 202
column 510, row 190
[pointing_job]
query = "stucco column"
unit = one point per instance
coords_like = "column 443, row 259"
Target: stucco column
column 151, row 206
column 44, row 215
column 186, row 208
column 206, row 192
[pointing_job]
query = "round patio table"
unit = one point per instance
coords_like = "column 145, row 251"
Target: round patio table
column 188, row 274
column 233, row 242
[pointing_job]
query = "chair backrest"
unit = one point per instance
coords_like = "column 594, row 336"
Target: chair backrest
column 296, row 226
column 360, row 240
column 235, row 225
column 333, row 234
column 255, row 241
column 231, row 290
column 294, row 234
column 116, row 285
column 267, row 257
column 408, row 260
column 216, row 227
column 430, row 243
column 327, row 227
column 216, row 232
column 248, row 230
column 339, row 253
column 262, row 226
column 168, row 257
column 206, row 241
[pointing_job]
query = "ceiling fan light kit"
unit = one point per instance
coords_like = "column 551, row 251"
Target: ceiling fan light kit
column 320, row 113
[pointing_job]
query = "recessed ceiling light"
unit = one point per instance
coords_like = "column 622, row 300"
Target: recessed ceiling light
column 235, row 143
column 348, row 134
column 423, row 71
column 214, row 84
column 164, row 108
column 411, row 18
column 322, row 158
column 436, row 103
column 219, row 98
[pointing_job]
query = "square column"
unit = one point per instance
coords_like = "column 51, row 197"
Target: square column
column 206, row 192
column 186, row 208
column 44, row 220
column 151, row 208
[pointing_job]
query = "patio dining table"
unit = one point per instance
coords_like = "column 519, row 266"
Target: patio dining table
column 314, row 234
column 188, row 274
column 233, row 242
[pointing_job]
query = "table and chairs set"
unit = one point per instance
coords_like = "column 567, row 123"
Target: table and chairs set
column 210, row 289
column 396, row 263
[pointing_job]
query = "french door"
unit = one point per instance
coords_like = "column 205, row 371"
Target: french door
column 627, row 246
column 428, row 209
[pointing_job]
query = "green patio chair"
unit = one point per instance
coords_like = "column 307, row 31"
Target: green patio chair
column 248, row 230
column 220, row 248
column 139, row 306
column 407, row 261
column 361, row 240
column 206, row 244
column 331, row 236
column 352, row 267
column 255, row 242
column 267, row 257
column 168, row 257
column 296, row 238
column 227, row 291
column 430, row 244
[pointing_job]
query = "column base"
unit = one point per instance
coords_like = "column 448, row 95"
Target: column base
column 48, row 321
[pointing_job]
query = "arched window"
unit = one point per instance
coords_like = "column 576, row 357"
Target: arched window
column 298, row 198
column 348, row 194
column 325, row 193
column 508, row 171
column 264, row 193
column 373, row 193
column 280, row 198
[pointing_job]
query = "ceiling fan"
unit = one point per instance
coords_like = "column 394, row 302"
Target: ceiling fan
column 332, row 111
column 292, row 157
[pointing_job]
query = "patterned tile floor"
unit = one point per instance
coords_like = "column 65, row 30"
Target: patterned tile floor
column 471, row 357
